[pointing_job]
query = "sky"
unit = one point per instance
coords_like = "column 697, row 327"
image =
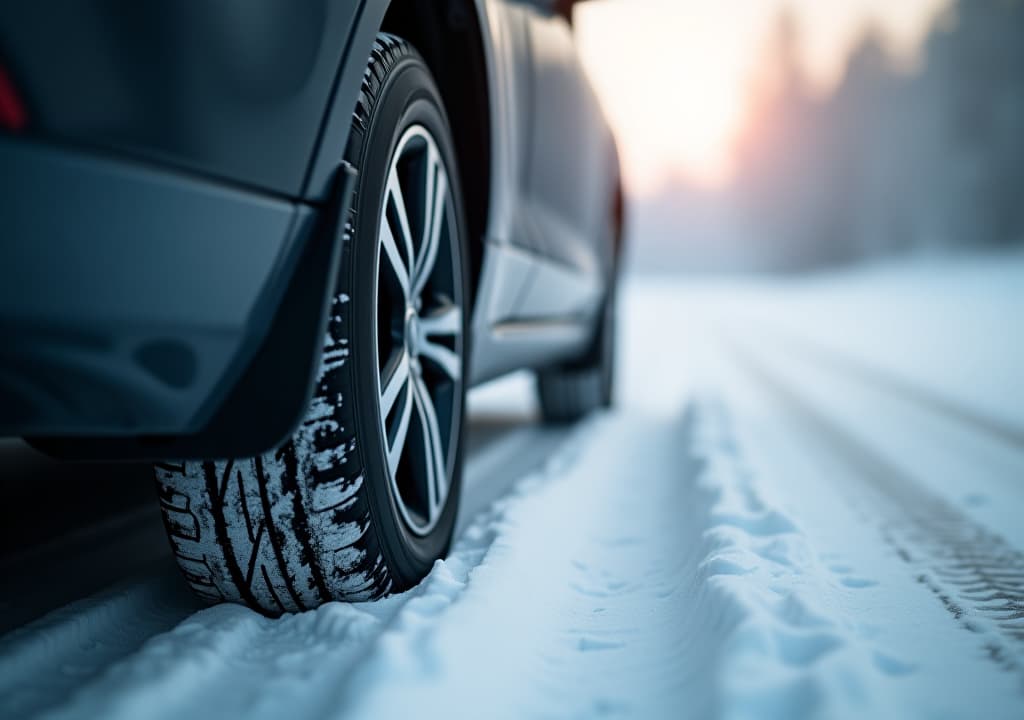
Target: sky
column 675, row 76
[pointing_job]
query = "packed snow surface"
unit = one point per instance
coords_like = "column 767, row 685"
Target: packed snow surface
column 807, row 503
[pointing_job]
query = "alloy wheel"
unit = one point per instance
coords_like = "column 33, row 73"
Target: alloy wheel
column 419, row 329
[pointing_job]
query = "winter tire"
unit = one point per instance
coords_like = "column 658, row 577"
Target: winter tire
column 569, row 392
column 362, row 499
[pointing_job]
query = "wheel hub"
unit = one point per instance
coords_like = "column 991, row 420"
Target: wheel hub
column 412, row 333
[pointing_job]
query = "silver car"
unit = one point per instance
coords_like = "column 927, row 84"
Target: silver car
column 294, row 234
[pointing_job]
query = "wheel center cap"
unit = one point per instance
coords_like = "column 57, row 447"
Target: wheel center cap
column 412, row 333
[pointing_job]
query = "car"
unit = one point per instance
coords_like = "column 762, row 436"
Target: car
column 269, row 245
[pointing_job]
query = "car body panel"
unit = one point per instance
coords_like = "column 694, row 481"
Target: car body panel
column 133, row 328
column 230, row 89
column 205, row 108
column 554, row 174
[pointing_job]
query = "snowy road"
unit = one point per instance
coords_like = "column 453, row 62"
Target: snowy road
column 807, row 504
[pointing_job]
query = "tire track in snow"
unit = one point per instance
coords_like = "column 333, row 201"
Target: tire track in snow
column 639, row 574
column 976, row 575
column 927, row 398
column 783, row 649
column 228, row 661
column 630, row 577
column 43, row 663
column 581, row 607
column 645, row 576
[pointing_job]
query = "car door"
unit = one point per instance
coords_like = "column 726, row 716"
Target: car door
column 568, row 175
column 549, row 239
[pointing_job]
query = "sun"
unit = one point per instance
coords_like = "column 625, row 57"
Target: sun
column 674, row 76
column 671, row 84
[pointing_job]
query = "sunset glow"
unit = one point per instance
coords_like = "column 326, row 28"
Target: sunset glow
column 675, row 75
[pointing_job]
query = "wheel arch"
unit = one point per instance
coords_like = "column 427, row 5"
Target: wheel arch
column 459, row 66
column 451, row 35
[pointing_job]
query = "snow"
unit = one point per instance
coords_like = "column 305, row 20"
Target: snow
column 805, row 505
column 946, row 326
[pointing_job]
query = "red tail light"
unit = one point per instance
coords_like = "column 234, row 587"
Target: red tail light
column 12, row 111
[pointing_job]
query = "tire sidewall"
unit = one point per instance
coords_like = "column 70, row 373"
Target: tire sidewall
column 407, row 97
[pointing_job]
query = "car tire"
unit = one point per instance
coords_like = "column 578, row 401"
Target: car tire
column 361, row 501
column 571, row 391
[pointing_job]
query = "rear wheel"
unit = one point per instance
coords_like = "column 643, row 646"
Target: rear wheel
column 362, row 499
column 571, row 391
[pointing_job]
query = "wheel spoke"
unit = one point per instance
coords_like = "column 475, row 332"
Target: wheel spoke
column 398, row 202
column 397, row 444
column 387, row 239
column 391, row 385
column 433, row 220
column 447, row 322
column 444, row 358
column 436, row 476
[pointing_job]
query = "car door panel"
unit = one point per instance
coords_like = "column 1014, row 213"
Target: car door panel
column 233, row 90
column 548, row 240
column 567, row 184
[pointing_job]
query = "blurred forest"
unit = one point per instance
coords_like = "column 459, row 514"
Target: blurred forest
column 895, row 160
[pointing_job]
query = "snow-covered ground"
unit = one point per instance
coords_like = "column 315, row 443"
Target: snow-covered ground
column 807, row 503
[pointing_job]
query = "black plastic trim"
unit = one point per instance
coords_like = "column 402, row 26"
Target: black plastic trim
column 129, row 293
column 270, row 399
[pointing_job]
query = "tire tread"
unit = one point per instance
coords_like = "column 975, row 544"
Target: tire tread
column 291, row 529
